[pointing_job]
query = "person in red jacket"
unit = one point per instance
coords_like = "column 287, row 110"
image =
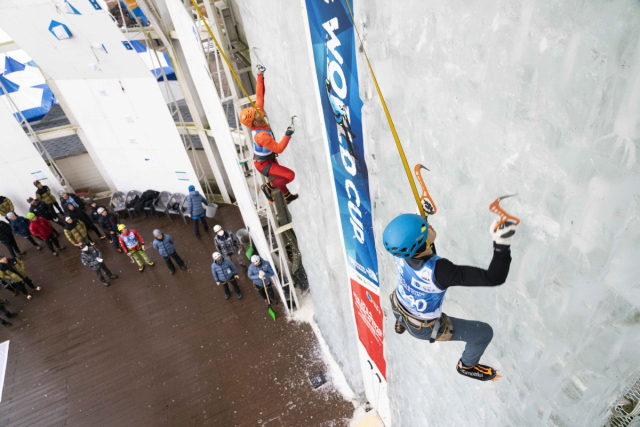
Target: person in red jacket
column 266, row 148
column 133, row 245
column 42, row 229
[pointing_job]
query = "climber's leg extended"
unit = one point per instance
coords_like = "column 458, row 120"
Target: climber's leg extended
column 281, row 177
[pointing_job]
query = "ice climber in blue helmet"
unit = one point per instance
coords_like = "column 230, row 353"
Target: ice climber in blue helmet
column 423, row 279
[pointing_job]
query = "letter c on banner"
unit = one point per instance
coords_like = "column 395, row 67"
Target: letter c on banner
column 349, row 185
column 345, row 155
column 341, row 91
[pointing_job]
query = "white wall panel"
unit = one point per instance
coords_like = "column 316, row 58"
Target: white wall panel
column 80, row 172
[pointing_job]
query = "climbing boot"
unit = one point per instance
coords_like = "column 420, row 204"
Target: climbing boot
column 478, row 372
column 151, row 264
column 141, row 268
column 288, row 198
column 399, row 328
column 227, row 295
column 267, row 189
column 239, row 295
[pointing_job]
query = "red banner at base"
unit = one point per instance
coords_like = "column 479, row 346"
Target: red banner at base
column 366, row 306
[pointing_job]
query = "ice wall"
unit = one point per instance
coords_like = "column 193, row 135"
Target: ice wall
column 277, row 30
column 539, row 98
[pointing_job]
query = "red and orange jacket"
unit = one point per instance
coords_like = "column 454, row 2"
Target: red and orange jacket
column 264, row 139
column 123, row 238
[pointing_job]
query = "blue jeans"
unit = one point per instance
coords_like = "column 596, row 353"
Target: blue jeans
column 476, row 334
column 195, row 224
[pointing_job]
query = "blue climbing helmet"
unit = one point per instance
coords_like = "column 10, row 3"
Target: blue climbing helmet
column 405, row 235
column 192, row 188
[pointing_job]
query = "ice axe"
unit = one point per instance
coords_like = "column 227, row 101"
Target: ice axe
column 504, row 216
column 291, row 126
column 257, row 57
column 428, row 205
column 266, row 293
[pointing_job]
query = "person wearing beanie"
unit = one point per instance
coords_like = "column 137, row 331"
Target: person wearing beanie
column 42, row 210
column 164, row 244
column 195, row 200
column 42, row 229
column 82, row 216
column 261, row 272
column 44, row 193
column 20, row 226
column 70, row 198
column 109, row 223
column 12, row 269
column 76, row 232
column 224, row 272
column 7, row 239
column 92, row 258
column 228, row 244
column 6, row 206
column 133, row 245
column 93, row 211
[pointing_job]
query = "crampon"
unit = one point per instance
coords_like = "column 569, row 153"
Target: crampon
column 478, row 372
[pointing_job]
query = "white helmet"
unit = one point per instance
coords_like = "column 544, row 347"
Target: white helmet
column 217, row 228
column 100, row 210
column 255, row 259
column 216, row 255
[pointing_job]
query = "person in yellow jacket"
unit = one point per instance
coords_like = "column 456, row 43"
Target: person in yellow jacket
column 5, row 206
column 76, row 232
column 44, row 193
column 12, row 269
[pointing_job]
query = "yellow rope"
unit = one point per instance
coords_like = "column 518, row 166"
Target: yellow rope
column 229, row 64
column 391, row 125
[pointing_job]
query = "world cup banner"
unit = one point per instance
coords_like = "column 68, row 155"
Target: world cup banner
column 334, row 55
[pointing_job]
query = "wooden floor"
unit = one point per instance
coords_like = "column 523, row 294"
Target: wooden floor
column 154, row 349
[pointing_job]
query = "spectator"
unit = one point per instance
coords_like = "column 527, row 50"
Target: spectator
column 5, row 206
column 260, row 272
column 93, row 211
column 42, row 229
column 164, row 244
column 7, row 239
column 228, row 244
column 133, row 245
column 77, row 233
column 82, row 216
column 12, row 269
column 44, row 193
column 41, row 209
column 92, row 258
column 109, row 223
column 8, row 285
column 224, row 272
column 70, row 198
column 6, row 313
column 195, row 209
column 20, row 226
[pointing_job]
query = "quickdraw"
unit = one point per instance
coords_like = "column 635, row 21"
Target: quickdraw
column 504, row 216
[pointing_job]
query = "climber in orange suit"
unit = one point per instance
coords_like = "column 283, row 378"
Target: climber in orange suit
column 266, row 148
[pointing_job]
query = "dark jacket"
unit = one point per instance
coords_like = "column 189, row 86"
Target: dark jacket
column 41, row 209
column 76, row 198
column 20, row 226
column 5, row 206
column 13, row 270
column 109, row 222
column 254, row 273
column 6, row 235
column 80, row 216
column 93, row 213
column 194, row 204
column 164, row 246
column 225, row 271
column 45, row 195
column 88, row 258
column 229, row 245
column 146, row 201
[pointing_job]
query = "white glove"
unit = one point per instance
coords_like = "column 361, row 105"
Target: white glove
column 504, row 233
column 261, row 274
column 143, row 247
column 129, row 254
column 99, row 259
column 260, row 69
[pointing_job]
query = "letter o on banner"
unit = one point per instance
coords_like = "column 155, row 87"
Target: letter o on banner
column 341, row 90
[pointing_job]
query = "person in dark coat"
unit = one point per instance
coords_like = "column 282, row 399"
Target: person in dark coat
column 195, row 200
column 164, row 244
column 42, row 229
column 224, row 272
column 20, row 226
column 41, row 209
column 80, row 215
column 93, row 211
column 44, row 193
column 6, row 313
column 92, row 258
column 7, row 239
column 109, row 223
column 12, row 269
column 71, row 198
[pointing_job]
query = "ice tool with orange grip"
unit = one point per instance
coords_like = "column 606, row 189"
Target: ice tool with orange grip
column 504, row 216
column 428, row 206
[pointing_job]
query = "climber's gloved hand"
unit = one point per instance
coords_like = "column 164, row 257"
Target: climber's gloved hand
column 503, row 234
column 129, row 254
column 260, row 69
column 143, row 247
column 289, row 131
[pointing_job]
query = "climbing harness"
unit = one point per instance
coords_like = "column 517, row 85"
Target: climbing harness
column 428, row 205
column 229, row 64
column 417, row 323
column 504, row 216
column 391, row 125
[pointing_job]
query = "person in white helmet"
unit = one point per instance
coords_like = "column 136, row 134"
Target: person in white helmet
column 228, row 244
column 261, row 272
column 225, row 272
